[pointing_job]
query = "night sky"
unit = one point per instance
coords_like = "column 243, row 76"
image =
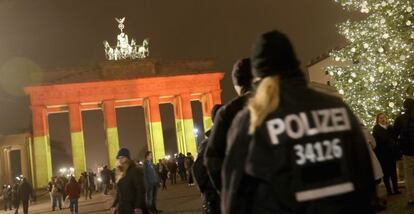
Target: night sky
column 41, row 34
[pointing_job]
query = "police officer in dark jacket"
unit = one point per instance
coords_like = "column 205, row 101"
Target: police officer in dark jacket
column 130, row 196
column 404, row 130
column 211, row 199
column 298, row 150
column 216, row 147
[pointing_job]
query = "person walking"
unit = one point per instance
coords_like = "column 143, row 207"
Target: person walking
column 7, row 197
column 152, row 182
column 294, row 149
column 163, row 169
column 172, row 167
column 386, row 152
column 73, row 190
column 181, row 167
column 404, row 130
column 25, row 192
column 210, row 197
column 130, row 195
column 106, row 179
column 16, row 197
column 57, row 190
column 216, row 147
column 188, row 163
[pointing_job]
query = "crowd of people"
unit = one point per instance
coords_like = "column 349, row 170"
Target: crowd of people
column 21, row 192
column 280, row 146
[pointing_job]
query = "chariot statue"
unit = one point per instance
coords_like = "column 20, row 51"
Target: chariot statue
column 124, row 49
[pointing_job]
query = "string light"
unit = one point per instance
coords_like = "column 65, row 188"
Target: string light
column 380, row 47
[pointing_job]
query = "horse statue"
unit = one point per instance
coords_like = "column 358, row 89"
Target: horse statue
column 109, row 51
column 143, row 51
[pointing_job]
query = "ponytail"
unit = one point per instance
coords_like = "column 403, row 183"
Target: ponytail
column 266, row 100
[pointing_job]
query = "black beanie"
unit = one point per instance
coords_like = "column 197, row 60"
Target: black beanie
column 242, row 73
column 123, row 152
column 273, row 54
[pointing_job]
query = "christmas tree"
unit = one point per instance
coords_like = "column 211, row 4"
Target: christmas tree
column 378, row 68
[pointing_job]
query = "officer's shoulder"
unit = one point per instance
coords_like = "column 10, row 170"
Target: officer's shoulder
column 324, row 95
column 236, row 102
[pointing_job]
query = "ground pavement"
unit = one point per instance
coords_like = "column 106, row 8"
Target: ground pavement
column 177, row 199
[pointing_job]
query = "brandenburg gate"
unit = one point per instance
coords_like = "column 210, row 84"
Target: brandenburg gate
column 116, row 84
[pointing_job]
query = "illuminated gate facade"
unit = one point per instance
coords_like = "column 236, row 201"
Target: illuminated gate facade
column 110, row 85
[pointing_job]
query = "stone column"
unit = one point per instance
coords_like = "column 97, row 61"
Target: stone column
column 41, row 147
column 184, row 124
column 76, row 134
column 154, row 128
column 208, row 101
column 111, row 129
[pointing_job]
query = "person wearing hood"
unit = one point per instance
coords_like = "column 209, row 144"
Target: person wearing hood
column 404, row 130
column 130, row 196
column 298, row 150
column 211, row 200
column 73, row 190
column 216, row 147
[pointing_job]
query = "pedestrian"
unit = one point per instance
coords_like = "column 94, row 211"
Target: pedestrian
column 379, row 202
column 7, row 197
column 91, row 183
column 152, row 182
column 294, row 149
column 172, row 167
column 16, row 197
column 189, row 161
column 163, row 169
column 57, row 190
column 130, row 195
column 73, row 190
column 210, row 197
column 216, row 147
column 181, row 167
column 386, row 152
column 25, row 192
column 106, row 179
column 49, row 189
column 404, row 130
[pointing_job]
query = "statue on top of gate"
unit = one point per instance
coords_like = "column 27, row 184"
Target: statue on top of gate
column 124, row 49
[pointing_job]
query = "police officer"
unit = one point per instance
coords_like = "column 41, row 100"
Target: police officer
column 215, row 152
column 211, row 199
column 294, row 149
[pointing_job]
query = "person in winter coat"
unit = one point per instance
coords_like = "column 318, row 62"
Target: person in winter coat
column 7, row 197
column 386, row 152
column 172, row 167
column 152, row 182
column 404, row 130
column 163, row 170
column 130, row 196
column 181, row 167
column 16, row 197
column 73, row 190
column 210, row 197
column 379, row 203
column 25, row 192
column 106, row 179
column 57, row 190
column 216, row 147
column 188, row 163
column 294, row 149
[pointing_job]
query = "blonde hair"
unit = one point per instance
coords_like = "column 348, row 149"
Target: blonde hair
column 266, row 100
